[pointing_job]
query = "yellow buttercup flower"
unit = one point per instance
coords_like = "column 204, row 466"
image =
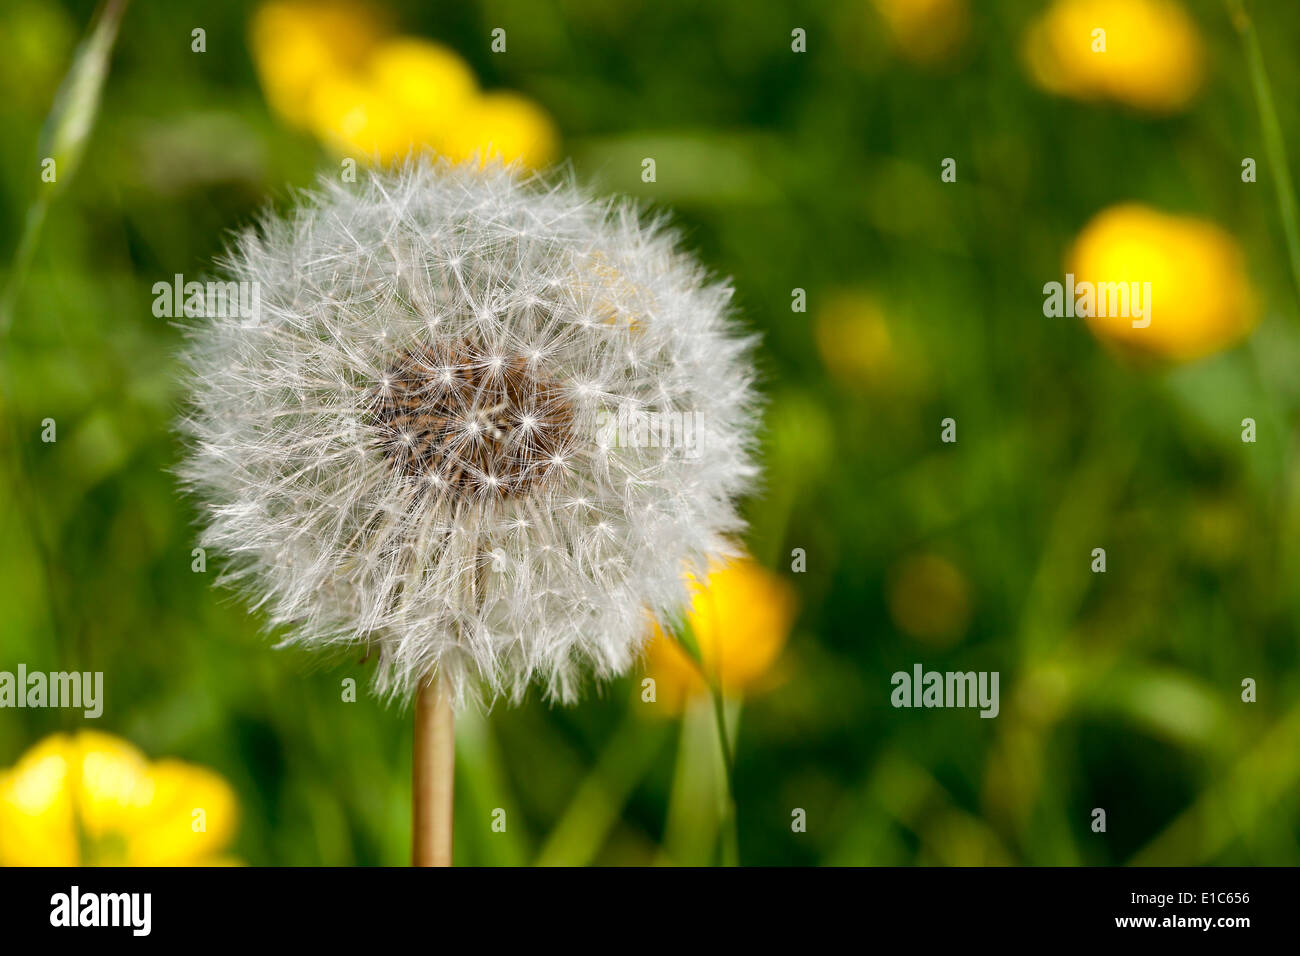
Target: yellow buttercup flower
column 926, row 31
column 355, row 119
column 329, row 68
column 741, row 618
column 505, row 126
column 428, row 82
column 854, row 340
column 94, row 800
column 409, row 95
column 1143, row 53
column 299, row 44
column 1200, row 296
column 929, row 599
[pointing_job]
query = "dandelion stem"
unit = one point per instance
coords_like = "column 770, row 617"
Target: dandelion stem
column 1271, row 129
column 433, row 771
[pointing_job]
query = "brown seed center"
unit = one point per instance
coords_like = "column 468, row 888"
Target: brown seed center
column 472, row 421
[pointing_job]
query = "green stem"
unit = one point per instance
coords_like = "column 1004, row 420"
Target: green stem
column 685, row 635
column 720, row 715
column 730, row 822
column 1271, row 129
column 22, row 261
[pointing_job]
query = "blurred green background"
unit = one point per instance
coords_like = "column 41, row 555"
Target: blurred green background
column 817, row 171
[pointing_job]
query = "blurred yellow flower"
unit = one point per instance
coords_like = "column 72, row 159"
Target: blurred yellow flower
column 505, row 126
column 298, row 44
column 1201, row 299
column 351, row 118
column 926, row 31
column 741, row 618
column 854, row 340
column 329, row 68
column 1152, row 58
column 929, row 599
column 427, row 82
column 93, row 800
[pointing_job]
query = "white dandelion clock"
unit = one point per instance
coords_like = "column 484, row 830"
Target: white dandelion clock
column 479, row 423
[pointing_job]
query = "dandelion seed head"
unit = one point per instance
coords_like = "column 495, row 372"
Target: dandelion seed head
column 404, row 450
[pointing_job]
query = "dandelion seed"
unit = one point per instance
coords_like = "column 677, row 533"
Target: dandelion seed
column 423, row 395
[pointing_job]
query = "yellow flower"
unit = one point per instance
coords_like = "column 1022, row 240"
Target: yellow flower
column 299, row 44
column 929, row 599
column 1152, row 58
column 355, row 119
column 94, row 800
column 409, row 95
column 926, row 31
column 741, row 618
column 1201, row 300
column 854, row 340
column 504, row 125
column 428, row 82
column 327, row 67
